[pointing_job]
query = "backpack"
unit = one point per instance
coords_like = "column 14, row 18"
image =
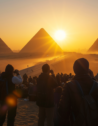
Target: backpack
column 89, row 108
column 3, row 89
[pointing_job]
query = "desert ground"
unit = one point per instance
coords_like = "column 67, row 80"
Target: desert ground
column 27, row 114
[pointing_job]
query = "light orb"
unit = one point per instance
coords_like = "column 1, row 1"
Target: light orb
column 60, row 35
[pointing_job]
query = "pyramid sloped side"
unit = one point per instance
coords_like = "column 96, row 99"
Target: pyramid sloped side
column 4, row 48
column 94, row 47
column 42, row 42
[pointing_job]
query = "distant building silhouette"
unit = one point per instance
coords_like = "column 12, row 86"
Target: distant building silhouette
column 94, row 47
column 4, row 49
column 41, row 43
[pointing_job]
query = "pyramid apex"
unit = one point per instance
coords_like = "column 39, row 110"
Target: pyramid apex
column 41, row 32
column 42, row 29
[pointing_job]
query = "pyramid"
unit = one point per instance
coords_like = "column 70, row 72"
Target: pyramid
column 94, row 47
column 4, row 49
column 41, row 43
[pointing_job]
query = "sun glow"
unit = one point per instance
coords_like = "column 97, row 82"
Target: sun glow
column 60, row 35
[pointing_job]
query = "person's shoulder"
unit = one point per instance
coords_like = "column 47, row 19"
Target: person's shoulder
column 52, row 79
column 69, row 85
column 3, row 75
column 96, row 84
column 95, row 88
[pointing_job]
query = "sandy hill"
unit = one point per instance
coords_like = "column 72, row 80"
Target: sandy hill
column 63, row 64
column 94, row 47
column 41, row 43
column 4, row 49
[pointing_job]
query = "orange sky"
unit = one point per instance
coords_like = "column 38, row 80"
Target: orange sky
column 21, row 19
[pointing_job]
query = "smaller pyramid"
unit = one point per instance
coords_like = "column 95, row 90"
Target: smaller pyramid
column 94, row 47
column 4, row 49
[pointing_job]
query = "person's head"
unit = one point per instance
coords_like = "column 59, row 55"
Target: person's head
column 9, row 69
column 81, row 66
column 46, row 68
column 58, row 77
column 70, row 74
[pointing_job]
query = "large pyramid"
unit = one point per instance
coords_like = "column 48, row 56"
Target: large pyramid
column 41, row 43
column 94, row 47
column 4, row 49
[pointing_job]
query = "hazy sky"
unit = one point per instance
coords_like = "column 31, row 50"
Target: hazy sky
column 21, row 19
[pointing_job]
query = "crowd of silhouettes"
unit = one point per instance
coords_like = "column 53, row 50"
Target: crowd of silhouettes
column 28, row 87
column 63, row 99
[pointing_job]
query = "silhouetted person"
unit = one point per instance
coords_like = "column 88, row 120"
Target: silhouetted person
column 96, row 77
column 32, row 91
column 70, row 76
column 25, row 79
column 78, row 104
column 30, row 79
column 58, row 78
column 65, row 78
column 57, row 96
column 62, row 77
column 45, row 96
column 8, row 99
column 34, row 81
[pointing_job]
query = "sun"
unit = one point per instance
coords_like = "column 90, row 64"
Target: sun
column 60, row 35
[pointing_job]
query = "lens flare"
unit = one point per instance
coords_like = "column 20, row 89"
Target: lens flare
column 11, row 101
